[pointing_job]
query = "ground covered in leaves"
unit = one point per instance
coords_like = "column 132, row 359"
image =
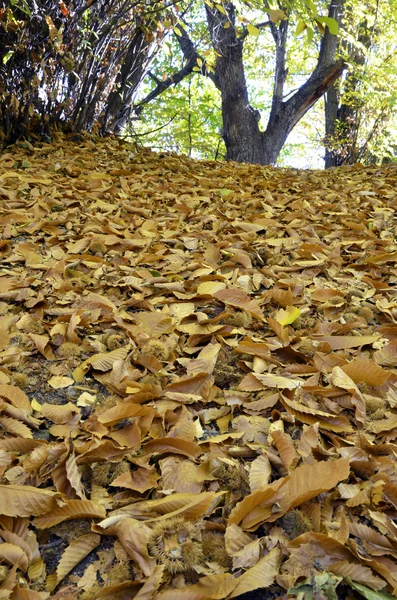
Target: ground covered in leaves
column 198, row 385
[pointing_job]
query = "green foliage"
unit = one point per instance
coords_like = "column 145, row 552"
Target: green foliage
column 367, row 592
column 368, row 94
column 185, row 119
column 324, row 584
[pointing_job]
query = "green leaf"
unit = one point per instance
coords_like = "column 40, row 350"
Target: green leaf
column 331, row 24
column 23, row 6
column 301, row 26
column 367, row 592
column 252, row 30
column 309, row 33
column 310, row 5
column 225, row 192
column 177, row 31
column 7, row 56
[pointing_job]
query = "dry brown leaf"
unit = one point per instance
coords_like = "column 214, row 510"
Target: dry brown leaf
column 134, row 537
column 363, row 370
column 15, row 396
column 74, row 509
column 174, row 445
column 140, row 480
column 194, row 268
column 74, row 553
column 272, row 501
column 239, row 299
column 13, row 555
column 25, row 500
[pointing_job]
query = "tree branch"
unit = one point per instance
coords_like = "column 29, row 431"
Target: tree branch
column 192, row 57
column 325, row 73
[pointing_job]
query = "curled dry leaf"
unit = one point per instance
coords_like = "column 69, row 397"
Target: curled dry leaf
column 306, row 482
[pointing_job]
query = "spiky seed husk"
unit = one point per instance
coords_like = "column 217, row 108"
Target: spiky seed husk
column 295, row 522
column 177, row 544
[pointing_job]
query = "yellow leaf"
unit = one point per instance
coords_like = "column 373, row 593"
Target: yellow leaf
column 35, row 405
column 301, row 26
column 58, row 383
column 252, row 30
column 276, row 15
column 287, row 316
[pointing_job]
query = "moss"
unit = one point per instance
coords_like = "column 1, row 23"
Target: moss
column 118, row 573
column 3, row 572
column 375, row 407
column 225, row 372
column 150, row 379
column 101, row 474
column 119, row 469
column 239, row 319
column 366, row 312
column 98, row 247
column 30, row 325
column 21, row 340
column 307, row 347
column 229, row 477
column 115, row 341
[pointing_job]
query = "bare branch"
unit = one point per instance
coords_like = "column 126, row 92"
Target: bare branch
column 193, row 59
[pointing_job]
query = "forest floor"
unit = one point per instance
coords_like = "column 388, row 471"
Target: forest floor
column 198, row 384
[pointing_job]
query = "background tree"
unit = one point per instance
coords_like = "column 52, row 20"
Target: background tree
column 360, row 108
column 77, row 62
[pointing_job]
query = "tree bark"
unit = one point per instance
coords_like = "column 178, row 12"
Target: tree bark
column 342, row 118
column 243, row 138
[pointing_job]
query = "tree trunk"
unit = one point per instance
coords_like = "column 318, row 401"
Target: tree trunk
column 243, row 139
column 342, row 119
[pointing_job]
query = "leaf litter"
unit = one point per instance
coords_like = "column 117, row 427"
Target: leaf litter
column 198, row 389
